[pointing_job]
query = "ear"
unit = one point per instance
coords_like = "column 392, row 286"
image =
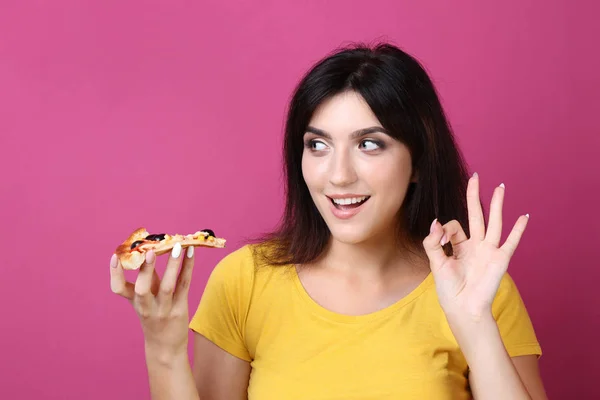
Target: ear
column 415, row 177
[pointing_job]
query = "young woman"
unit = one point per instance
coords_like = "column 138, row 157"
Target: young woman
column 383, row 281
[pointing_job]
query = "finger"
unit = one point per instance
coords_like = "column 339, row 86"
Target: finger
column 167, row 286
column 432, row 245
column 494, row 231
column 155, row 282
column 143, row 283
column 510, row 246
column 453, row 233
column 185, row 278
column 476, row 222
column 118, row 284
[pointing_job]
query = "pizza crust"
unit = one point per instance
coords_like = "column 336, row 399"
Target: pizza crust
column 132, row 259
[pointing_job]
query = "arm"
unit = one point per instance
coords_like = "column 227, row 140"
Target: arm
column 217, row 374
column 221, row 364
column 528, row 369
column 172, row 378
column 492, row 373
column 468, row 285
column 162, row 307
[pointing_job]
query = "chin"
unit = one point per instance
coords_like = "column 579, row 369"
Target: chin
column 349, row 235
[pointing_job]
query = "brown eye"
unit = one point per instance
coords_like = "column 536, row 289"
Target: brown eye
column 370, row 145
column 317, row 145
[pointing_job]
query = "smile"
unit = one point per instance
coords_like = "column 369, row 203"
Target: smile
column 350, row 201
column 347, row 207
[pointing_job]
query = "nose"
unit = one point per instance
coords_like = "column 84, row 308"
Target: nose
column 342, row 171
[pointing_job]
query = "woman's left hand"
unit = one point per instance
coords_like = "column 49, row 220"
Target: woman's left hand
column 467, row 282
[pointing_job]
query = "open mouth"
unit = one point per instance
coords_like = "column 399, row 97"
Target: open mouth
column 349, row 203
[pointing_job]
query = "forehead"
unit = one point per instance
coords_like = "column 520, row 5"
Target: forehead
column 344, row 113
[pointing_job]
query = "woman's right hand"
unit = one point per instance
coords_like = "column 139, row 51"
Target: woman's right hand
column 162, row 306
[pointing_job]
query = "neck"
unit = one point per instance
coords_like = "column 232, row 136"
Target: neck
column 375, row 256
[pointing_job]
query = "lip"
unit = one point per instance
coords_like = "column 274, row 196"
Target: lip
column 345, row 214
column 346, row 196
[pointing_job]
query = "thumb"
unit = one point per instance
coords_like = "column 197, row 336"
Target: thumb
column 432, row 245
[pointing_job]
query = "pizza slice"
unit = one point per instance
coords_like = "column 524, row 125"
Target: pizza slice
column 132, row 252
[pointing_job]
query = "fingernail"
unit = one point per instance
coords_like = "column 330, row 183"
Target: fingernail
column 527, row 215
column 150, row 257
column 176, row 250
column 475, row 175
column 502, row 185
column 444, row 240
column 190, row 252
column 432, row 225
column 113, row 261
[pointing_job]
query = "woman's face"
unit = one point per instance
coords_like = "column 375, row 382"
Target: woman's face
column 356, row 174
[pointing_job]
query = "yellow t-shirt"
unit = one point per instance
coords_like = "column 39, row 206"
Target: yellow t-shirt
column 300, row 350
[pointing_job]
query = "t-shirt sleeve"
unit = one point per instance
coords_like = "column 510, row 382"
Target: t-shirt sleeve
column 223, row 308
column 513, row 320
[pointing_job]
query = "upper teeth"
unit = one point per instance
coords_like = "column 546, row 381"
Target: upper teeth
column 352, row 200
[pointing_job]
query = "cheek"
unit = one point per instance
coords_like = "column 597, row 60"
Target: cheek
column 389, row 179
column 309, row 172
column 314, row 172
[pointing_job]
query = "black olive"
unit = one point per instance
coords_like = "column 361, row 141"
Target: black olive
column 156, row 237
column 210, row 233
column 136, row 244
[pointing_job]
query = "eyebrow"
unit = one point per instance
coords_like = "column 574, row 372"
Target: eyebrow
column 353, row 135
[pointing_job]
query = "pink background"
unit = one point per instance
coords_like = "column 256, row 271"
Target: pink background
column 169, row 114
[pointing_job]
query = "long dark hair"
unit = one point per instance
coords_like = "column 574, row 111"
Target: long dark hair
column 403, row 98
